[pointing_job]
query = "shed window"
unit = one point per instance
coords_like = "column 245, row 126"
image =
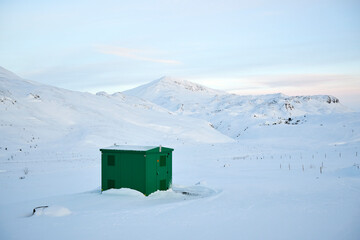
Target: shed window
column 111, row 183
column 162, row 161
column 111, row 160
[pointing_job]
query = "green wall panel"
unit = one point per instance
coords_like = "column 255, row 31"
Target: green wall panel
column 144, row 171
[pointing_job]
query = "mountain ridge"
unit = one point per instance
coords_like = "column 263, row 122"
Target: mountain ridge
column 231, row 113
column 37, row 116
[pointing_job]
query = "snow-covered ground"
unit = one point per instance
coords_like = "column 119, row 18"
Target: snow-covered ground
column 283, row 181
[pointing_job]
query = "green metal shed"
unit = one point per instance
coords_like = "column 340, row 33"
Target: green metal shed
column 143, row 168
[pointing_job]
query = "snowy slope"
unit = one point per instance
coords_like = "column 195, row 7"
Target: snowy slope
column 233, row 114
column 35, row 116
column 283, row 181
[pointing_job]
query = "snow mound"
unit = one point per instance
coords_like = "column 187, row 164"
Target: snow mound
column 176, row 192
column 52, row 211
column 123, row 192
column 180, row 193
column 196, row 191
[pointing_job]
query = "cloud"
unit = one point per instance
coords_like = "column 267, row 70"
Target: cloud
column 135, row 54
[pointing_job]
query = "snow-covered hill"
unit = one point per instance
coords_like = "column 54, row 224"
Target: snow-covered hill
column 294, row 156
column 233, row 114
column 37, row 116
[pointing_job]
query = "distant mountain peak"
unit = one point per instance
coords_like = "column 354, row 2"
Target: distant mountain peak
column 170, row 84
column 195, row 87
column 167, row 79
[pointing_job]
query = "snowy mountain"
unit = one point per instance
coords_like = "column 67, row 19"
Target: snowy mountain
column 293, row 156
column 36, row 116
column 233, row 114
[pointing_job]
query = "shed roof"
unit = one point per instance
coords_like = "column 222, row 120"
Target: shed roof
column 130, row 148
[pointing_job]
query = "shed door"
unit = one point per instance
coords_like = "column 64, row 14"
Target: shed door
column 162, row 172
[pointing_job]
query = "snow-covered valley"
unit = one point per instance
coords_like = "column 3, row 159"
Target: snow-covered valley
column 257, row 167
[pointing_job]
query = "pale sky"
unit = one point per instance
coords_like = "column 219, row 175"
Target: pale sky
column 248, row 47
